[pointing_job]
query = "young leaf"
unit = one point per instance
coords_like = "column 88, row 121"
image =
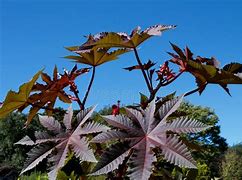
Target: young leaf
column 47, row 94
column 146, row 66
column 143, row 100
column 206, row 70
column 141, row 132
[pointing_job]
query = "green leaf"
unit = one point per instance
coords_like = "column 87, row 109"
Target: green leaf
column 72, row 48
column 143, row 100
column 14, row 100
column 32, row 113
column 96, row 56
column 123, row 40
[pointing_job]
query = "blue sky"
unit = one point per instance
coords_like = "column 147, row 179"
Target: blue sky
column 33, row 34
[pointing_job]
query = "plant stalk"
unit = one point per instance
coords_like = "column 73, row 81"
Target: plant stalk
column 89, row 86
column 75, row 91
column 143, row 71
column 160, row 84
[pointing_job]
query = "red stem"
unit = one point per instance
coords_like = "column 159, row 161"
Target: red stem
column 142, row 70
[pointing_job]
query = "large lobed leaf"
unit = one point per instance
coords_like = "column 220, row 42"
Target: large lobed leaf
column 140, row 132
column 97, row 49
column 63, row 140
column 185, row 125
column 123, row 40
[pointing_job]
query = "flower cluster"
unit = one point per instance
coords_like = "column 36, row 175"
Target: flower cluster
column 165, row 73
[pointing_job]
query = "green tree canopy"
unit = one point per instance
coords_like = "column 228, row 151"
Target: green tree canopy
column 212, row 145
column 233, row 162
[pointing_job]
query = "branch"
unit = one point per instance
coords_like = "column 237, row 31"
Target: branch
column 89, row 87
column 194, row 90
column 160, row 84
column 73, row 88
column 142, row 69
column 150, row 78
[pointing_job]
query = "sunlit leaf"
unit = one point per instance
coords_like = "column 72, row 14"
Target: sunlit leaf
column 112, row 39
column 46, row 94
column 15, row 100
column 96, row 56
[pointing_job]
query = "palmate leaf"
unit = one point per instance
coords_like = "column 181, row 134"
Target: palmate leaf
column 96, row 56
column 93, row 127
column 120, row 121
column 206, row 70
column 14, row 100
column 141, row 131
column 123, row 40
column 46, row 94
column 206, row 74
column 68, row 138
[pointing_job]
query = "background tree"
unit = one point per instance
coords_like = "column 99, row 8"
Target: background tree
column 11, row 131
column 233, row 163
column 11, row 156
column 212, row 145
